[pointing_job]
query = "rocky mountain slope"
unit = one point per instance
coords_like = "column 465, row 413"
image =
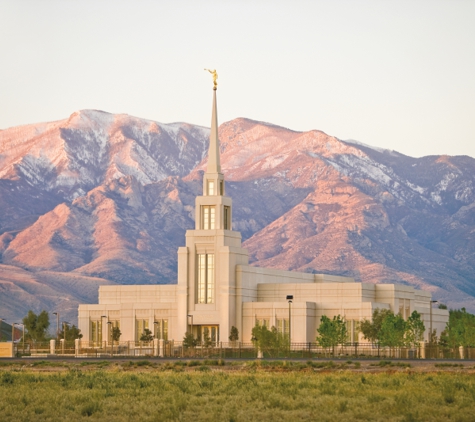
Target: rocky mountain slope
column 100, row 198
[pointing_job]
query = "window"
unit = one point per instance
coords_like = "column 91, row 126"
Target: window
column 404, row 308
column 205, row 278
column 282, row 325
column 210, row 184
column 95, row 331
column 408, row 309
column 161, row 329
column 208, row 215
column 221, row 187
column 140, row 326
column 263, row 322
column 227, row 218
column 352, row 330
column 210, row 331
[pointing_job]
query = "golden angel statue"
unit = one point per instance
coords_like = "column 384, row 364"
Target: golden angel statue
column 215, row 77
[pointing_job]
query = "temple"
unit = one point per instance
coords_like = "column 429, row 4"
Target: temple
column 217, row 289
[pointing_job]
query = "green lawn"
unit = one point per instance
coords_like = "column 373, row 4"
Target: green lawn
column 252, row 391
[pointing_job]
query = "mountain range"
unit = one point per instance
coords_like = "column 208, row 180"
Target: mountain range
column 100, row 198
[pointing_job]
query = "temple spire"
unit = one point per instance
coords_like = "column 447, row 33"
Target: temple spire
column 214, row 165
column 213, row 180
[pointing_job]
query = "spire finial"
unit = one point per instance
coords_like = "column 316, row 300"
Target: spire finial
column 214, row 165
column 215, row 78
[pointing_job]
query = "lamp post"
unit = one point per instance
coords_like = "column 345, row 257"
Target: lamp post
column 191, row 316
column 111, row 335
column 102, row 316
column 65, row 325
column 289, row 299
column 430, row 329
column 57, row 325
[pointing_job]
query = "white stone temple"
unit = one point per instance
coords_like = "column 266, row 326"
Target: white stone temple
column 218, row 289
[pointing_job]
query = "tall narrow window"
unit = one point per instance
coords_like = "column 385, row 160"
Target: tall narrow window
column 161, row 329
column 210, row 187
column 208, row 216
column 352, row 330
column 221, row 187
column 263, row 322
column 205, row 278
column 282, row 326
column 227, row 218
column 95, row 332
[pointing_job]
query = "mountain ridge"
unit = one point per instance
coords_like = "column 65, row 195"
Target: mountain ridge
column 99, row 196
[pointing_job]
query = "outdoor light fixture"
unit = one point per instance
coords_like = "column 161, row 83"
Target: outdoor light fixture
column 289, row 299
column 57, row 325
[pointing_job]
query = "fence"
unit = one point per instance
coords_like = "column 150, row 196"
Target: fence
column 234, row 350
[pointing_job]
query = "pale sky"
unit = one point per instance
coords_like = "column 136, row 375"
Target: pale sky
column 392, row 74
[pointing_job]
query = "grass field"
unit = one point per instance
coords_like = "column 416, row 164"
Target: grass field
column 216, row 391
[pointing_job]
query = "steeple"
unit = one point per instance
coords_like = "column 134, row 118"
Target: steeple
column 214, row 165
column 213, row 208
column 213, row 180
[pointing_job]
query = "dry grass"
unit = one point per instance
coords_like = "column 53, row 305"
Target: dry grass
column 211, row 390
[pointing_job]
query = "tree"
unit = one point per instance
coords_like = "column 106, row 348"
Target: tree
column 72, row 333
column 116, row 333
column 189, row 342
column 393, row 331
column 372, row 329
column 36, row 325
column 146, row 336
column 234, row 335
column 269, row 341
column 206, row 338
column 415, row 329
column 331, row 332
column 460, row 329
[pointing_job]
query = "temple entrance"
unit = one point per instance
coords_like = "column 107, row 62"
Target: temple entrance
column 207, row 333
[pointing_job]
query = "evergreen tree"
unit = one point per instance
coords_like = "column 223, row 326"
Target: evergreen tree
column 234, row 334
column 189, row 342
column 146, row 336
column 116, row 333
column 206, row 338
